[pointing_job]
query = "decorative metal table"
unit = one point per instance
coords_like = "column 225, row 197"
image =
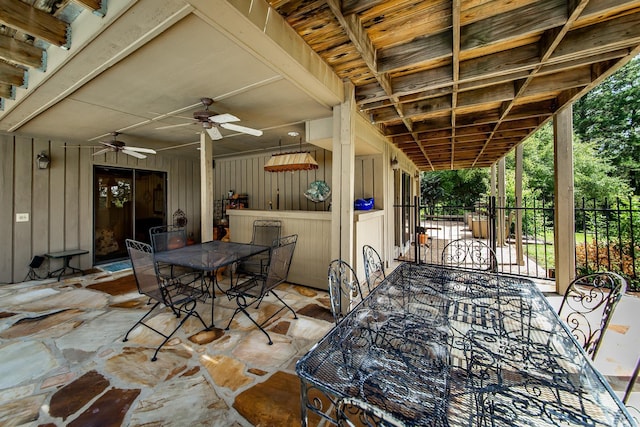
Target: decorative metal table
column 445, row 347
column 208, row 257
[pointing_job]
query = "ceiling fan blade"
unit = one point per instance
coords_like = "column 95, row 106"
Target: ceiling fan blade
column 104, row 150
column 224, row 118
column 214, row 133
column 174, row 126
column 108, row 144
column 243, row 129
column 133, row 153
column 141, row 150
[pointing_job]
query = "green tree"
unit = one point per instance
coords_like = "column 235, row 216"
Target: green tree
column 455, row 188
column 595, row 177
column 609, row 117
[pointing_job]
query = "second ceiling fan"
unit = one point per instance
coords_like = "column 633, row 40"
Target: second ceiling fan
column 212, row 122
column 119, row 146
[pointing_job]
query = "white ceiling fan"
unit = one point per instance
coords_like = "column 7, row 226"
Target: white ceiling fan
column 119, row 146
column 212, row 122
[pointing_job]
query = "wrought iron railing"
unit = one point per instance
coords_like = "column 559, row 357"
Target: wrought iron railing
column 607, row 235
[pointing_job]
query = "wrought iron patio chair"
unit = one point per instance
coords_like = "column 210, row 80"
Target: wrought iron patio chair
column 175, row 293
column 166, row 238
column 352, row 412
column 373, row 267
column 471, row 254
column 253, row 291
column 587, row 307
column 265, row 233
column 344, row 289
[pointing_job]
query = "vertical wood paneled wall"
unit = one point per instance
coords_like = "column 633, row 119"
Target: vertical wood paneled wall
column 59, row 200
column 246, row 175
column 368, row 172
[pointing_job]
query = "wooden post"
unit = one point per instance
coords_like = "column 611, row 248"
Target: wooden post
column 518, row 191
column 564, row 220
column 206, row 187
column 343, row 178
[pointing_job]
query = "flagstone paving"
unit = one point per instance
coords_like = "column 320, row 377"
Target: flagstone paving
column 63, row 361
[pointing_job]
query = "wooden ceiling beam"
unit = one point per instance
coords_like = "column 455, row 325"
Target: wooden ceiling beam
column 530, row 19
column 419, row 50
column 20, row 52
column 610, row 35
column 10, row 74
column 356, row 34
column 92, row 5
column 5, row 90
column 28, row 19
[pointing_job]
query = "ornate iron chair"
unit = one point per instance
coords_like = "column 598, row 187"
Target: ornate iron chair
column 254, row 290
column 344, row 289
column 588, row 305
column 373, row 267
column 166, row 238
column 471, row 254
column 181, row 298
column 353, row 412
column 265, row 233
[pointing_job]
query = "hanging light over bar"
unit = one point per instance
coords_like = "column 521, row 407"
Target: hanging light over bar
column 291, row 162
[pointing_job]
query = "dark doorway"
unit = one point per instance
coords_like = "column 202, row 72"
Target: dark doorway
column 127, row 203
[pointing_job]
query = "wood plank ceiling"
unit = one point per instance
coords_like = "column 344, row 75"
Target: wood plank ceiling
column 452, row 83
column 457, row 84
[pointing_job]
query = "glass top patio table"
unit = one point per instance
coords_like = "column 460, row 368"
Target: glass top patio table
column 445, row 347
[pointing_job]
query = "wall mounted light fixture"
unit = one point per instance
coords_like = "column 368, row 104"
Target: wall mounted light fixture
column 395, row 165
column 42, row 160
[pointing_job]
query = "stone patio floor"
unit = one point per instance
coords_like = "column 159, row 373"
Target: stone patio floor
column 63, row 361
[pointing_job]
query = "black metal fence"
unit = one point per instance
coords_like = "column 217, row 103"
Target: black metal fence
column 606, row 235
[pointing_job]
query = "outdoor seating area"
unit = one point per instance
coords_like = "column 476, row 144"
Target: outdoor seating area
column 63, row 359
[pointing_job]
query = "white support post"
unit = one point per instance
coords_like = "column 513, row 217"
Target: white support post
column 206, row 187
column 564, row 220
column 342, row 228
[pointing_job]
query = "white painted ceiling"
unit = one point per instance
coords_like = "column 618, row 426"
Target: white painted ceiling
column 159, row 84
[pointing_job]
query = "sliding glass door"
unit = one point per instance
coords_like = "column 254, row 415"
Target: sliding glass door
column 127, row 203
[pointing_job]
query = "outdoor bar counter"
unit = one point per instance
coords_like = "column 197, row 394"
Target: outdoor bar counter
column 312, row 254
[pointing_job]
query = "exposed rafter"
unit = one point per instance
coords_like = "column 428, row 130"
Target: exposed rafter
column 33, row 21
column 459, row 83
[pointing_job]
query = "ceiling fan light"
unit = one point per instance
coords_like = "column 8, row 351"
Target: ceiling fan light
column 291, row 162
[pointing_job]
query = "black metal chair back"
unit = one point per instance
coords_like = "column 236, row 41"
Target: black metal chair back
column 344, row 289
column 254, row 290
column 179, row 297
column 266, row 232
column 167, row 237
column 373, row 267
column 587, row 307
column 471, row 254
column 144, row 269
